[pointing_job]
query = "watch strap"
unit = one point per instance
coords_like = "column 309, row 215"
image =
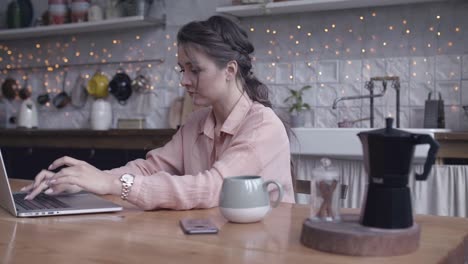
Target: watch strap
column 126, row 186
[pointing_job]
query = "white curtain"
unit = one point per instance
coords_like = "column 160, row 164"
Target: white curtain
column 444, row 193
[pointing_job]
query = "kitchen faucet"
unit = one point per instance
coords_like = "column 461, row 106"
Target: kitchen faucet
column 370, row 86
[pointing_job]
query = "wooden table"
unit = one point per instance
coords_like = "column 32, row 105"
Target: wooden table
column 135, row 236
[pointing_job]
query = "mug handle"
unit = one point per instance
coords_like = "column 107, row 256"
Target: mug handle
column 280, row 189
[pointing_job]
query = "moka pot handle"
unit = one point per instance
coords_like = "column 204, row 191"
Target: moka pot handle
column 431, row 154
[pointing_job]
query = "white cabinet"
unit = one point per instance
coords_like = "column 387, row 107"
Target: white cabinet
column 296, row 6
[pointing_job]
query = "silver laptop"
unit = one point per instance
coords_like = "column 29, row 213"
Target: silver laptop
column 45, row 205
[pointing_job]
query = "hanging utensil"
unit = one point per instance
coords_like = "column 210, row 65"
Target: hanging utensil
column 79, row 94
column 141, row 83
column 62, row 99
column 98, row 85
column 10, row 88
column 44, row 98
column 25, row 92
column 121, row 86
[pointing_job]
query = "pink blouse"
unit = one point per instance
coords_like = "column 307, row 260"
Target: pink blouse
column 189, row 170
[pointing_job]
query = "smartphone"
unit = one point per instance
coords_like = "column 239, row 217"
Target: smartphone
column 198, row 226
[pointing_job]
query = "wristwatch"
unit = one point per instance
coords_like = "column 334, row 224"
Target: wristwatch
column 127, row 180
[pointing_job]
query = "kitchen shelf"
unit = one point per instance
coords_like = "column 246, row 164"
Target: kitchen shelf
column 297, row 6
column 76, row 28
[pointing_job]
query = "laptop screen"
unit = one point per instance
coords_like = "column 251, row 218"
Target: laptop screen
column 6, row 197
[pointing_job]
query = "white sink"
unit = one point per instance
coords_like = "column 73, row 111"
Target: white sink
column 342, row 143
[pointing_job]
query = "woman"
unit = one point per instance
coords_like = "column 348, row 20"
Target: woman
column 234, row 132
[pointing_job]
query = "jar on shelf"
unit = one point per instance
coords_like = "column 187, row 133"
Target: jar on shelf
column 57, row 12
column 95, row 11
column 79, row 10
column 325, row 192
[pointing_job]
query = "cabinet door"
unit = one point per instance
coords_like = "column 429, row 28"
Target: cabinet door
column 26, row 163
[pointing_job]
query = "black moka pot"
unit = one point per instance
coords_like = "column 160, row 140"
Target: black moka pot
column 388, row 155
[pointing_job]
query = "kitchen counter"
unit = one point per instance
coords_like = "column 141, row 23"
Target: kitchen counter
column 343, row 143
column 76, row 138
column 453, row 145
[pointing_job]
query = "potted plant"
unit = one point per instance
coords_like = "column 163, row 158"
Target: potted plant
column 298, row 106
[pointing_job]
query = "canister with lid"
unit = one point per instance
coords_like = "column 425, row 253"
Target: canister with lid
column 325, row 192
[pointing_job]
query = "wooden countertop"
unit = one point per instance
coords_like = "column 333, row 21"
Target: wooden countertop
column 453, row 144
column 136, row 236
column 80, row 138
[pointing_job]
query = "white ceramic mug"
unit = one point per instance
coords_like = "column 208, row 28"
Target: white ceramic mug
column 245, row 199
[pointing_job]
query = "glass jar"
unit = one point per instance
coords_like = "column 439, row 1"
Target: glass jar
column 325, row 192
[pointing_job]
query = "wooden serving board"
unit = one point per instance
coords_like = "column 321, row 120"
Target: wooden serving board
column 349, row 237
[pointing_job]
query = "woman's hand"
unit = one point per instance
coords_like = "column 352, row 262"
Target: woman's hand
column 76, row 176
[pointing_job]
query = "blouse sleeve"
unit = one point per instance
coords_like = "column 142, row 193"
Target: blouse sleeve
column 168, row 158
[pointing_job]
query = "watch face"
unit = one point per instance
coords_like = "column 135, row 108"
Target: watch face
column 127, row 178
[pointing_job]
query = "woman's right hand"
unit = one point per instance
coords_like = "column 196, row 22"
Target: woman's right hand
column 42, row 182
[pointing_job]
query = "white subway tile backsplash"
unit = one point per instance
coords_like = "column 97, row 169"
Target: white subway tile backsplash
column 266, row 72
column 350, row 71
column 464, row 92
column 421, row 70
column 277, row 95
column 450, row 91
column 326, row 94
column 448, row 67
column 373, row 68
column 464, row 121
column 326, row 117
column 419, row 93
column 305, row 72
column 398, row 67
column 416, row 117
column 452, row 117
column 465, row 67
column 284, row 73
column 328, row 71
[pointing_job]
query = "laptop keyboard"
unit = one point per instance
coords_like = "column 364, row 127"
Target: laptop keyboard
column 41, row 201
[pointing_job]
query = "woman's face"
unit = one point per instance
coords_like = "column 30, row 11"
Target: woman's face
column 200, row 76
